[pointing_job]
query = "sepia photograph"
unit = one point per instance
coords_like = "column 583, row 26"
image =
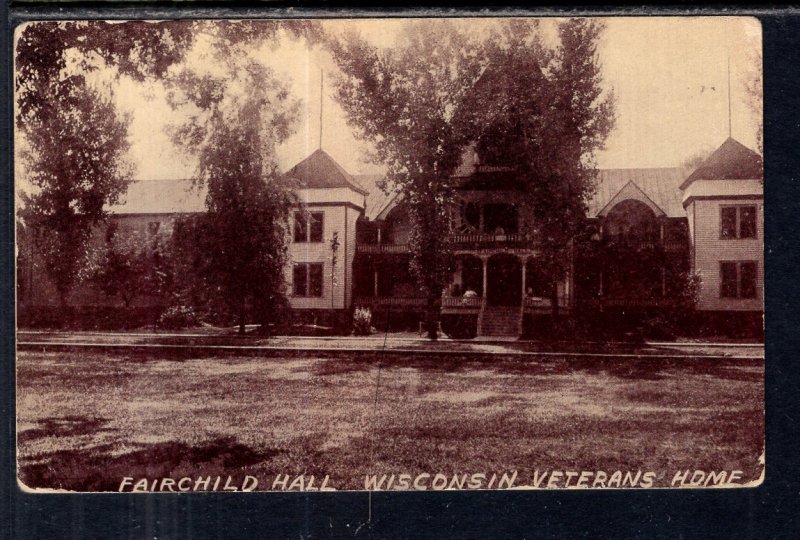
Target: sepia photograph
column 400, row 254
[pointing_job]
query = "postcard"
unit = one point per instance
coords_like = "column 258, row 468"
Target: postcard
column 407, row 254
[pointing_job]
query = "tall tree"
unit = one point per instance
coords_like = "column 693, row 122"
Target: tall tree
column 543, row 111
column 74, row 139
column 237, row 113
column 403, row 101
column 76, row 158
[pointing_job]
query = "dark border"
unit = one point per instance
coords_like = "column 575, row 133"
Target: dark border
column 770, row 510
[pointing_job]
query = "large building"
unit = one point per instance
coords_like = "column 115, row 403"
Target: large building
column 651, row 230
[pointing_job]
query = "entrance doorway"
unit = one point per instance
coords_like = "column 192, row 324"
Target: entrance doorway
column 504, row 281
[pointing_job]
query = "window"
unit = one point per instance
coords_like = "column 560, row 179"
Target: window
column 307, row 280
column 747, row 280
column 308, row 226
column 738, row 279
column 315, row 226
column 152, row 227
column 728, row 280
column 737, row 222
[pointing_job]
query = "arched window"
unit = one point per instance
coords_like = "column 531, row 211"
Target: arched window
column 631, row 221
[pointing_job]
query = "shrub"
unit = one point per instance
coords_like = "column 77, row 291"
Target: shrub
column 658, row 327
column 362, row 321
column 176, row 317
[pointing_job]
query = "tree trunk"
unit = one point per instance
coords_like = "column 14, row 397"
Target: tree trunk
column 554, row 299
column 242, row 306
column 432, row 316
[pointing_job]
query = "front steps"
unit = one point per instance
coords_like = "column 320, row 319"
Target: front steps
column 500, row 321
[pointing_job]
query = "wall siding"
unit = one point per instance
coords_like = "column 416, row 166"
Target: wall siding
column 709, row 249
column 337, row 297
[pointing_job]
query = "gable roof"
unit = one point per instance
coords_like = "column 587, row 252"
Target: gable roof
column 731, row 161
column 631, row 191
column 376, row 200
column 659, row 185
column 321, row 171
column 173, row 196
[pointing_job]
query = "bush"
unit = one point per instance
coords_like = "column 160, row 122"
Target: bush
column 658, row 327
column 177, row 317
column 362, row 321
column 460, row 326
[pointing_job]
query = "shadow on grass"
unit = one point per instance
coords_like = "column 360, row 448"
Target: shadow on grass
column 64, row 426
column 94, row 469
column 642, row 368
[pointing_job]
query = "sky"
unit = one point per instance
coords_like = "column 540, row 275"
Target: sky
column 669, row 76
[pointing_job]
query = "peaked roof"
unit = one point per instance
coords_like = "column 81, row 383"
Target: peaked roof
column 659, row 185
column 320, row 171
column 172, row 196
column 376, row 200
column 631, row 191
column 731, row 161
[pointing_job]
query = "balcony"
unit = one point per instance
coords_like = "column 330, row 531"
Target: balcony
column 642, row 244
column 460, row 242
column 381, row 248
column 482, row 241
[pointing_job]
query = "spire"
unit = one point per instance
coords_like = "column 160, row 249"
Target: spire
column 730, row 129
column 321, row 79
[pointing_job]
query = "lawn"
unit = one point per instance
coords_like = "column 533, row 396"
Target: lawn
column 86, row 420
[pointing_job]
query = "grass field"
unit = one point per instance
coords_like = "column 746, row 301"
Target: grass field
column 86, row 420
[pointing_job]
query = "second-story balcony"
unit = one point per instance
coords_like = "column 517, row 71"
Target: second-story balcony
column 460, row 242
column 483, row 241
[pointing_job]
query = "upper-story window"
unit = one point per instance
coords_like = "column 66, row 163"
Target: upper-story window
column 308, row 226
column 737, row 222
column 153, row 227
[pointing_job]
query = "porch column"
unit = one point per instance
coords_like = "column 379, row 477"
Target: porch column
column 485, row 261
column 661, row 231
column 375, row 283
column 663, row 281
column 524, row 262
column 600, row 292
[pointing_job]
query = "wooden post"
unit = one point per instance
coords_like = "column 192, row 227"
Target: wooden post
column 600, row 292
column 485, row 261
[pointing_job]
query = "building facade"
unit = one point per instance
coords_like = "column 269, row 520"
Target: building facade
column 651, row 230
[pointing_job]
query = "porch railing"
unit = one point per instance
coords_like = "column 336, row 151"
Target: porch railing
column 636, row 302
column 635, row 243
column 381, row 248
column 459, row 241
column 460, row 302
column 486, row 241
column 388, row 301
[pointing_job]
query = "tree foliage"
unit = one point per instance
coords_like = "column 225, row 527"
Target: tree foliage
column 130, row 264
column 76, row 161
column 543, row 111
column 237, row 114
column 403, row 101
column 74, row 140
